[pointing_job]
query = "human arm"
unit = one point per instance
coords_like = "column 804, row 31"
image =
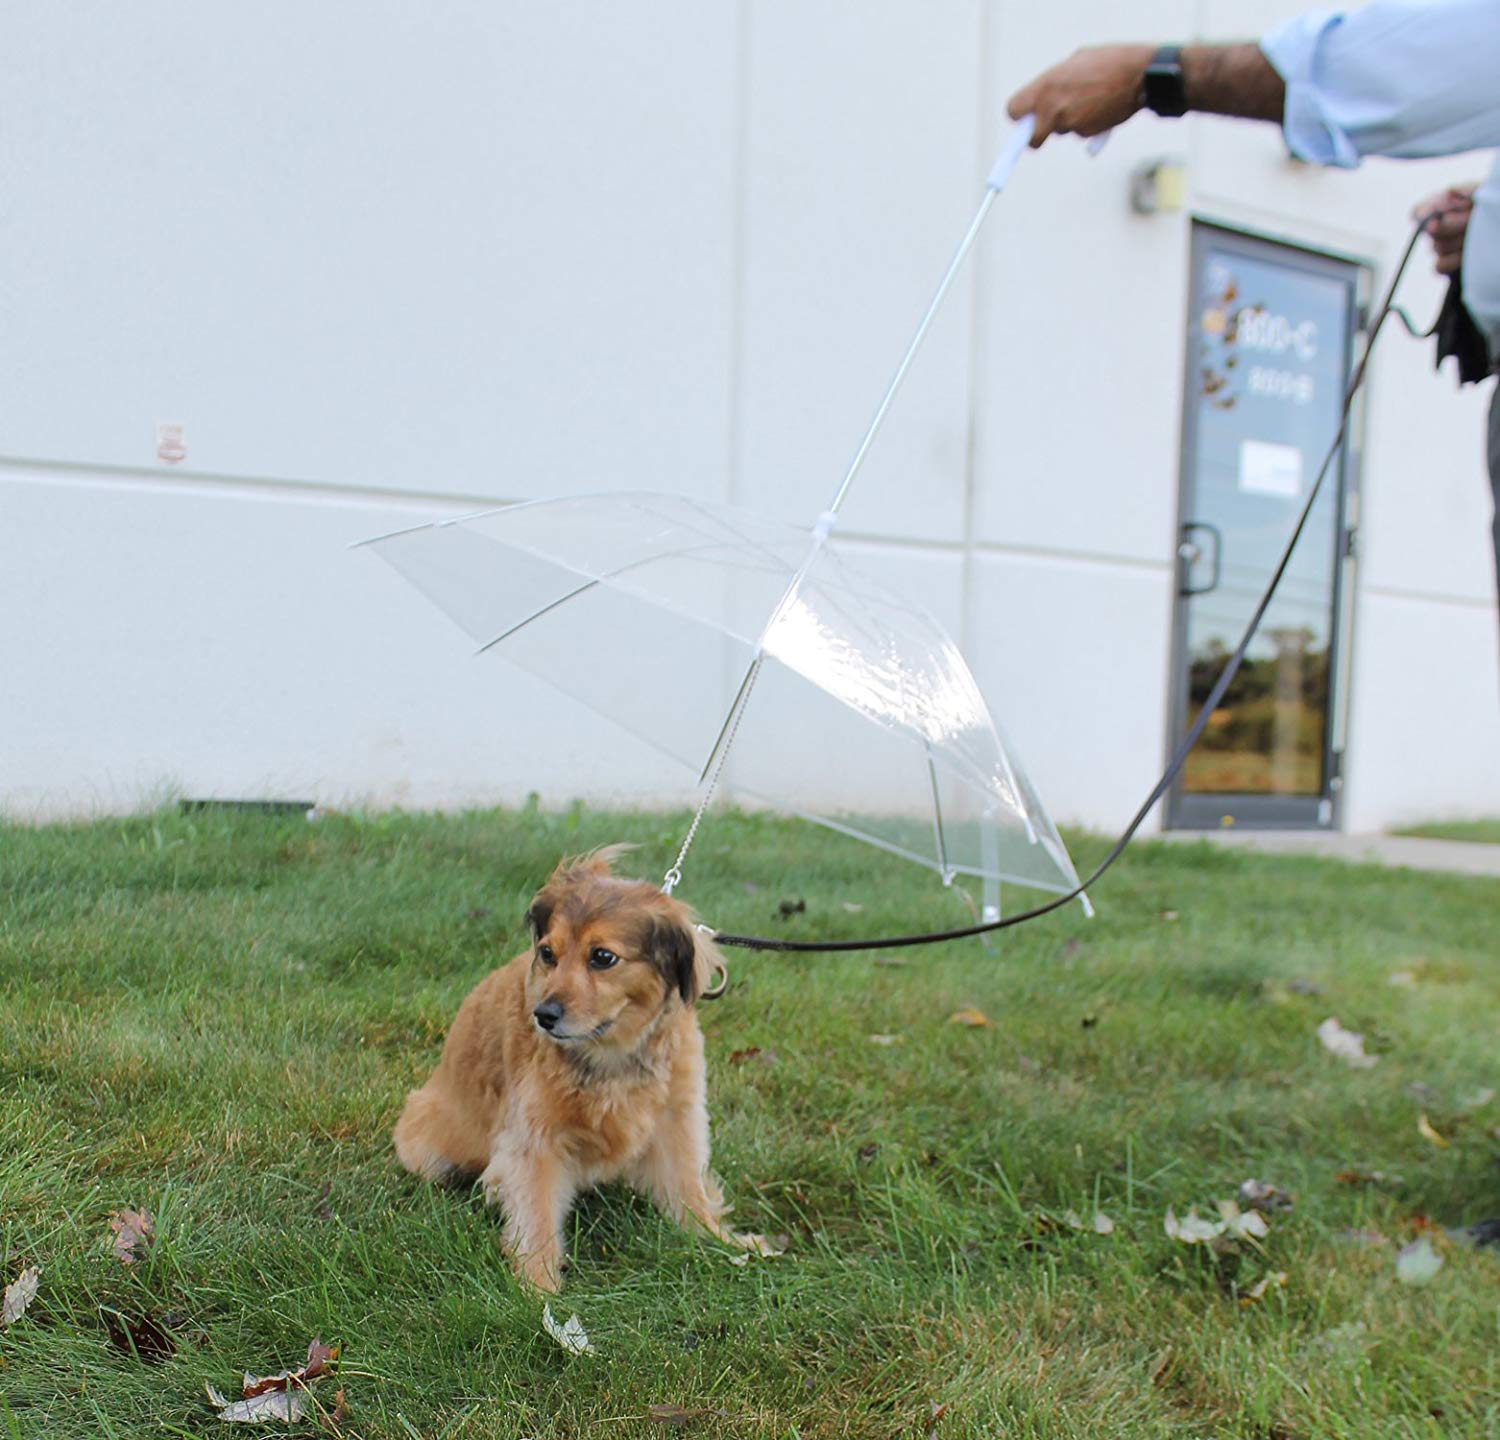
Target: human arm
column 1095, row 89
column 1395, row 77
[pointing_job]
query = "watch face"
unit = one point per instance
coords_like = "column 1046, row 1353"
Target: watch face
column 1163, row 88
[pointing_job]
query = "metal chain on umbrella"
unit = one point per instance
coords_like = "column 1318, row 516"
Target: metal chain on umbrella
column 673, row 877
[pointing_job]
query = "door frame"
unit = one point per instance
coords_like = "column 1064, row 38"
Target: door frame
column 1197, row 811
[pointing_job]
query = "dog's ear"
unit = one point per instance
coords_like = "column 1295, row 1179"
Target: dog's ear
column 675, row 953
column 539, row 916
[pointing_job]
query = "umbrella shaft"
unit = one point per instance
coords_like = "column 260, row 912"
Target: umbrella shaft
column 911, row 350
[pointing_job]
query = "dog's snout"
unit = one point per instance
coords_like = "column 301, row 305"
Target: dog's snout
column 548, row 1013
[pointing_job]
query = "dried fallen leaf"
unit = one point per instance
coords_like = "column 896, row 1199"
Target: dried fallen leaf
column 287, row 1406
column 1348, row 1045
column 974, row 1019
column 147, row 1338
column 673, row 1415
column 280, row 1396
column 571, row 1336
column 887, row 1040
column 320, row 1358
column 1259, row 1195
column 1192, row 1229
column 753, row 1052
column 1273, row 1281
column 741, row 1260
column 934, row 1414
column 677, row 1418
column 134, row 1231
column 1418, row 1262
column 1425, row 1130
column 1242, row 1224
column 1101, row 1224
column 18, row 1295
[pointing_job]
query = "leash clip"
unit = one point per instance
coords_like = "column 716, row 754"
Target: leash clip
column 720, row 968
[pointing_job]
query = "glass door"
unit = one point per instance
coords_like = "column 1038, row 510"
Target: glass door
column 1270, row 333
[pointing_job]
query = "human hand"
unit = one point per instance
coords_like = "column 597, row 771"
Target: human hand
column 1445, row 218
column 1090, row 92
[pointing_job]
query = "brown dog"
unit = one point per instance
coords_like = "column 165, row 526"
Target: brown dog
column 580, row 1061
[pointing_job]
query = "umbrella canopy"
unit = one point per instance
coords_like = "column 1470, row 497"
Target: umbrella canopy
column 661, row 612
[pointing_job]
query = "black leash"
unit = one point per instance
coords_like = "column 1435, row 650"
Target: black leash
column 1226, row 677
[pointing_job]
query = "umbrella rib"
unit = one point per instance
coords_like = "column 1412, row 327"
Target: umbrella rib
column 937, row 815
column 536, row 615
column 590, row 583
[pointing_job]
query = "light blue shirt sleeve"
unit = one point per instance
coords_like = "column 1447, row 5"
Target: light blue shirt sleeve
column 1405, row 78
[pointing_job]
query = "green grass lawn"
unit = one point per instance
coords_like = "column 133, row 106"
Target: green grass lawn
column 215, row 1019
column 1477, row 832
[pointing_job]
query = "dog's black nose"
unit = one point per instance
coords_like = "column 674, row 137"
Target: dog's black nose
column 548, row 1013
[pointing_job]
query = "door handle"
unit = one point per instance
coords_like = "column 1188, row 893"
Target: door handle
column 1189, row 552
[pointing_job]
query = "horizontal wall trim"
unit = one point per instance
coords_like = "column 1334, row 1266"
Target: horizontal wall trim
column 1483, row 603
column 1010, row 548
column 208, row 482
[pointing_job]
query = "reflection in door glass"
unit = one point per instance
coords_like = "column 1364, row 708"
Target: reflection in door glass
column 1271, row 343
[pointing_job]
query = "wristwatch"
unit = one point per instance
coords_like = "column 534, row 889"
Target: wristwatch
column 1163, row 90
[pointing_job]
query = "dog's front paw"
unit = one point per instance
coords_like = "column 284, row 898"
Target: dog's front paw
column 766, row 1246
column 541, row 1272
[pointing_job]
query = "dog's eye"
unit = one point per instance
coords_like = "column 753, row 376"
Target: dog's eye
column 545, row 955
column 602, row 959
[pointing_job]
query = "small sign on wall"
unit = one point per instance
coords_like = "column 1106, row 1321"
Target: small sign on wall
column 1269, row 469
column 171, row 442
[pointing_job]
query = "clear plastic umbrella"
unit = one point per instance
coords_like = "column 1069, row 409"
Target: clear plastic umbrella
column 707, row 630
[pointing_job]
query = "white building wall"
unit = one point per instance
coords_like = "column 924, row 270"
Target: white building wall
column 387, row 261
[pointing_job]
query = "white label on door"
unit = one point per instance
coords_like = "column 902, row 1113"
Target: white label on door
column 1267, row 469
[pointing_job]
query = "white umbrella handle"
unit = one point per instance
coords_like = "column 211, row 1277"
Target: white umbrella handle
column 1014, row 147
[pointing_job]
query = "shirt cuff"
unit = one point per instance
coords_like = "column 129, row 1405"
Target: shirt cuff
column 1310, row 131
